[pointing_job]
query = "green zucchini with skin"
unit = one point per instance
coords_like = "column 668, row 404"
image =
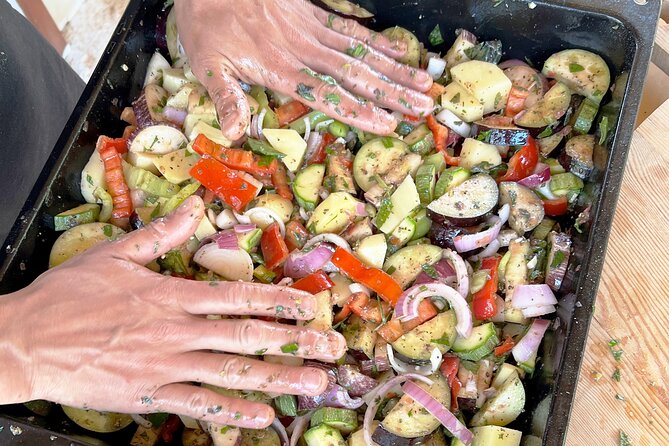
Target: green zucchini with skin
column 412, row 54
column 344, row 420
column 420, row 140
column 515, row 273
column 582, row 71
column 450, row 178
column 375, row 158
column 504, row 407
column 402, row 234
column 479, row 344
column 323, row 435
column 85, row 213
column 307, row 186
column 585, row 116
column 426, row 179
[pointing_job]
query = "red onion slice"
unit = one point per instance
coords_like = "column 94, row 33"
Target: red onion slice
column 356, row 383
column 528, row 346
column 313, row 143
column 407, row 305
column 300, row 263
column 339, row 397
column 461, row 274
column 226, row 240
column 489, row 251
column 525, row 296
column 375, row 397
column 142, row 112
column 281, row 431
column 297, row 427
column 499, row 316
column 175, row 116
column 243, row 229
column 538, row 310
column 512, row 63
column 470, row 242
column 402, row 367
column 541, row 174
column 259, row 123
column 441, row 413
column 329, row 238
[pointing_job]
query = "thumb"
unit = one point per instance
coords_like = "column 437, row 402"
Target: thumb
column 162, row 235
column 233, row 109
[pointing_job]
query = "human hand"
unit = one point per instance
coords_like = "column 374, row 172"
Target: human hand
column 103, row 332
column 297, row 49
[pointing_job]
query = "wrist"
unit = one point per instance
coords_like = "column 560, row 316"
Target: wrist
column 16, row 370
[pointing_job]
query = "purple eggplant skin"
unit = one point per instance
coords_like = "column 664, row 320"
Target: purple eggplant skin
column 408, row 360
column 456, row 222
column 511, row 136
column 135, row 221
column 352, row 379
column 358, row 230
column 467, row 204
column 382, row 437
column 467, row 404
column 313, row 402
column 442, row 235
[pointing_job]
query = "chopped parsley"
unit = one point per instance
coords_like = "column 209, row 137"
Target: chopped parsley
column 484, row 135
column 403, row 102
column 391, row 270
column 107, row 230
column 333, row 98
column 603, row 129
column 331, row 18
column 445, row 339
column 155, row 212
column 357, row 51
column 616, row 351
column 261, row 351
column 455, row 99
column 202, row 99
column 388, row 142
column 435, row 36
column 322, row 77
column 305, row 91
column 89, row 179
column 623, row 439
column 430, row 271
column 548, row 131
column 496, row 3
column 616, row 374
column 575, row 68
column 210, row 73
column 290, row 348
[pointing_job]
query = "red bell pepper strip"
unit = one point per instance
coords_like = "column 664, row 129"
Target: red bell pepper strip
column 239, row 159
column 274, row 249
column 281, row 182
column 228, row 184
column 296, row 235
column 505, row 347
column 516, row 101
column 368, row 310
column 556, row 207
column 435, row 91
column 392, row 330
column 449, row 368
column 109, row 151
column 290, row 112
column 483, row 302
column 523, row 162
column 373, row 278
column 319, row 155
column 440, row 134
column 342, row 314
column 314, row 283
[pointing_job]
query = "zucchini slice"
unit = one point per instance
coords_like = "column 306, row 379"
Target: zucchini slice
column 412, row 54
column 323, row 435
column 504, row 407
column 405, row 265
column 344, row 420
column 479, row 344
column 402, row 202
column 583, row 71
column 426, row 179
column 307, row 185
column 85, row 213
column 419, row 343
column 467, row 204
column 420, row 140
column 377, row 157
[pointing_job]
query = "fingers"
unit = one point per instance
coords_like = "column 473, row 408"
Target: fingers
column 324, row 95
column 406, row 75
column 233, row 109
column 359, row 78
column 255, row 337
column 162, row 235
column 353, row 29
column 236, row 372
column 207, row 405
column 241, row 299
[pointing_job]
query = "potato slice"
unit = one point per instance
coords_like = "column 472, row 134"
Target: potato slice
column 485, row 81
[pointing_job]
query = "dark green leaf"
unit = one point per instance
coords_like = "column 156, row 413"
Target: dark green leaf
column 435, row 36
column 290, row 348
column 603, row 129
column 558, row 258
column 616, row 375
column 388, row 142
column 575, row 68
column 107, row 230
column 430, row 271
column 548, row 131
column 624, row 440
column 333, row 98
column 305, row 91
column 357, row 51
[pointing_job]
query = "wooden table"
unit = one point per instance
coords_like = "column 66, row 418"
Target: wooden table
column 633, row 301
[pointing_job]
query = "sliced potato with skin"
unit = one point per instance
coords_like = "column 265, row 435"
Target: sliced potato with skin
column 92, row 177
column 418, row 343
column 527, row 209
column 485, row 81
column 504, row 407
column 179, row 100
column 92, row 420
column 583, row 71
column 158, row 140
column 458, row 100
column 412, row 54
column 409, row 419
column 548, row 110
column 405, row 265
column 80, row 239
column 334, row 214
column 476, row 152
column 374, row 158
column 456, row 53
column 176, row 166
column 276, row 203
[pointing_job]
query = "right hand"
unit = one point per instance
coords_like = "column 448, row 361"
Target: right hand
column 103, row 332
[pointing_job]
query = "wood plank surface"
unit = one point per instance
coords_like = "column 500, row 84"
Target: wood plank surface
column 632, row 307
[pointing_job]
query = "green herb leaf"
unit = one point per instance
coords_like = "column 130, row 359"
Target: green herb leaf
column 388, row 142
column 210, row 73
column 548, row 131
column 624, row 440
column 305, row 91
column 616, row 375
column 603, row 129
column 435, row 36
column 333, row 99
column 575, row 68
column 391, row 270
column 403, row 102
column 455, row 99
column 357, row 51
column 445, row 339
column 616, row 351
column 620, row 397
column 484, row 135
column 290, row 348
column 331, row 18
column 430, row 271
column 322, row 77
column 385, row 210
column 108, row 231
column 261, row 351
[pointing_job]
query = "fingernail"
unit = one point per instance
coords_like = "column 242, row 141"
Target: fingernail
column 314, row 380
column 337, row 343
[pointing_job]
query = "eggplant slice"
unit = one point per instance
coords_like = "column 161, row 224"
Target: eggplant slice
column 467, row 204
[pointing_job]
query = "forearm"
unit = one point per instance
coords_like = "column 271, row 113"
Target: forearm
column 15, row 370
